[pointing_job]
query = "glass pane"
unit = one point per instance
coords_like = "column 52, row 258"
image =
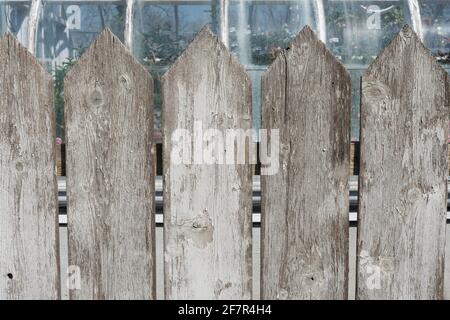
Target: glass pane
column 358, row 30
column 162, row 32
column 65, row 30
column 258, row 30
column 435, row 18
column 14, row 18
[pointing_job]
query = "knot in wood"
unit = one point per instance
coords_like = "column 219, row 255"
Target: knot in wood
column 124, row 81
column 376, row 93
column 95, row 98
column 202, row 221
column 19, row 166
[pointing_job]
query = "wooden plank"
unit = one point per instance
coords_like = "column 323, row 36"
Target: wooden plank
column 306, row 95
column 110, row 182
column 207, row 207
column 403, row 174
column 29, row 257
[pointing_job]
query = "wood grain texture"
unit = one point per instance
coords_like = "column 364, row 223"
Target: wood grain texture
column 110, row 182
column 306, row 95
column 403, row 174
column 29, row 257
column 207, row 207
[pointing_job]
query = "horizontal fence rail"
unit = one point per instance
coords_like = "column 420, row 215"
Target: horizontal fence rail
column 303, row 196
column 256, row 201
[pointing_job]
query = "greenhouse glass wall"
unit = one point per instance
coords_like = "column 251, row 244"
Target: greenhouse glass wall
column 157, row 31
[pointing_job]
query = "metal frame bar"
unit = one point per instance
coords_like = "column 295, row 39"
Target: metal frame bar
column 224, row 22
column 414, row 10
column 321, row 20
column 128, row 32
column 33, row 24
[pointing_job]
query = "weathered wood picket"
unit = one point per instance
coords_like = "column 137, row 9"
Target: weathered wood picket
column 208, row 192
column 109, row 117
column 29, row 261
column 208, row 207
column 403, row 174
column 306, row 94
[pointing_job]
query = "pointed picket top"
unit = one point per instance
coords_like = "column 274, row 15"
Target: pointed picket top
column 305, row 35
column 308, row 36
column 20, row 54
column 205, row 40
column 107, row 44
column 406, row 41
column 306, row 40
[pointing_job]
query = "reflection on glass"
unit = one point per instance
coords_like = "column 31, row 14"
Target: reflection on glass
column 435, row 15
column 64, row 32
column 162, row 32
column 358, row 30
column 255, row 31
column 258, row 31
column 14, row 18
